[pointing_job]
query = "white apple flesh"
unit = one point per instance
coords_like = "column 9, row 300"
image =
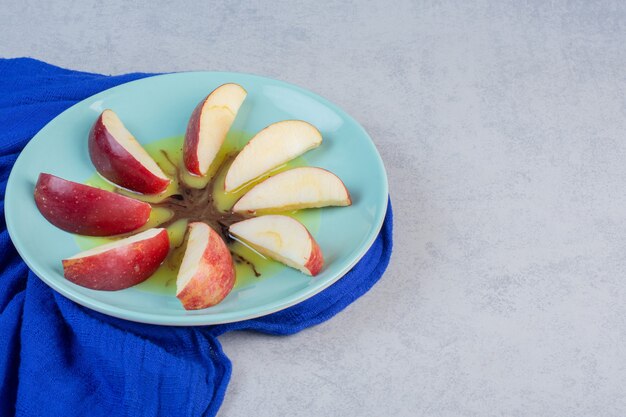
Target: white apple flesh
column 271, row 147
column 283, row 239
column 297, row 188
column 208, row 126
column 207, row 272
column 121, row 159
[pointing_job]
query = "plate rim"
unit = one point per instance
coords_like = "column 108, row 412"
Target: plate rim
column 198, row 320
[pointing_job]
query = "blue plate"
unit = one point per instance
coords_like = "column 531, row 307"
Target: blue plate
column 159, row 107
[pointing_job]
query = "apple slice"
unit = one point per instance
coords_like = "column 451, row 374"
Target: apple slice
column 281, row 238
column 271, row 147
column 120, row 264
column 207, row 272
column 79, row 208
column 298, row 188
column 209, row 123
column 118, row 157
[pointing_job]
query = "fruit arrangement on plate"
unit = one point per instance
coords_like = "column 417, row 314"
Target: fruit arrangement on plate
column 258, row 219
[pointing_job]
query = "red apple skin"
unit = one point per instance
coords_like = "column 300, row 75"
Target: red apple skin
column 192, row 136
column 117, row 165
column 316, row 260
column 214, row 278
column 121, row 267
column 79, row 208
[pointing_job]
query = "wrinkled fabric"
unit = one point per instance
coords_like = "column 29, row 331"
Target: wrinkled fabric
column 58, row 358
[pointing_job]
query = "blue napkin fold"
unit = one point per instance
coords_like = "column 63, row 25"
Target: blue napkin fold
column 60, row 359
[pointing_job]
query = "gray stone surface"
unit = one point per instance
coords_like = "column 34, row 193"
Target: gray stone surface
column 502, row 126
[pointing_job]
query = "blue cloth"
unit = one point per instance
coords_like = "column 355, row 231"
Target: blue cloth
column 60, row 359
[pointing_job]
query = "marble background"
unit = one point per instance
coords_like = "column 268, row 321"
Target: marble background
column 502, row 127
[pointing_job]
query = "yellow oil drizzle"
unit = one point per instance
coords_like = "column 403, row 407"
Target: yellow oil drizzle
column 168, row 155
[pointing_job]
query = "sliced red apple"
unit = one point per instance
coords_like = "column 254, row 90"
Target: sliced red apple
column 209, row 123
column 207, row 272
column 298, row 188
column 79, row 208
column 120, row 264
column 271, row 147
column 118, row 157
column 281, row 238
